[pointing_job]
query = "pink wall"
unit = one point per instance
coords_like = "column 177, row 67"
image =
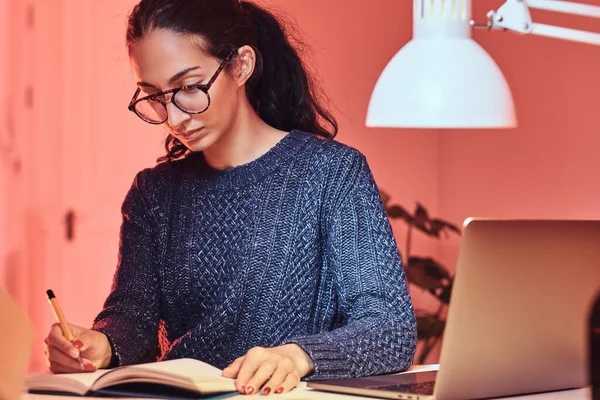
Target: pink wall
column 548, row 167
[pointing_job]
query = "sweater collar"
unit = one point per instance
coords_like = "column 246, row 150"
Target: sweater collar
column 250, row 173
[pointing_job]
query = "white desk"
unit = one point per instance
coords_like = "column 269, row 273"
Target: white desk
column 307, row 394
column 304, row 393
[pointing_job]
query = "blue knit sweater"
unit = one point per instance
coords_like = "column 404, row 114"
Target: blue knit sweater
column 293, row 247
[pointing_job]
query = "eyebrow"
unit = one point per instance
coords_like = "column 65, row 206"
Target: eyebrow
column 173, row 79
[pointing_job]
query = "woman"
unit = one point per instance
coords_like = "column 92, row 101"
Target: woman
column 258, row 244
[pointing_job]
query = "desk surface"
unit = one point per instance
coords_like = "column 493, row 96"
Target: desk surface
column 304, row 393
column 308, row 394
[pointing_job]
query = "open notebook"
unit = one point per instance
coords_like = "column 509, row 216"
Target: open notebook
column 182, row 378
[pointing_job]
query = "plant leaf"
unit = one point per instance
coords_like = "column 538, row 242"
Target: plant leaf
column 437, row 226
column 385, row 198
column 432, row 268
column 444, row 294
column 428, row 326
column 398, row 212
column 421, row 219
column 418, row 276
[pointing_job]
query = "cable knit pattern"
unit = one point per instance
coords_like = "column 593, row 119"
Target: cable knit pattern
column 293, row 247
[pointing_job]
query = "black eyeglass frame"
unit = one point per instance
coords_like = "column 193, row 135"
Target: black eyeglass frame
column 203, row 87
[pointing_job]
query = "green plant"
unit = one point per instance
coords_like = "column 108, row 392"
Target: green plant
column 425, row 272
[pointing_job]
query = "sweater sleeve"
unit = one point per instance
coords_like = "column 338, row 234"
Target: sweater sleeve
column 131, row 314
column 379, row 330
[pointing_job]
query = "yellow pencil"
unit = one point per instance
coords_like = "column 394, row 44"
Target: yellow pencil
column 60, row 318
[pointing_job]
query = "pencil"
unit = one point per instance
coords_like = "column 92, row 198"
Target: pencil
column 60, row 318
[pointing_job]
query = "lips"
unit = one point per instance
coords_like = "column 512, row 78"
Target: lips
column 189, row 135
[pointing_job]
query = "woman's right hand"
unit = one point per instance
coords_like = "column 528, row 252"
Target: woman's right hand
column 63, row 356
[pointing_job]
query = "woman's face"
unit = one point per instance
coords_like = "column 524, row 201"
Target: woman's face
column 165, row 60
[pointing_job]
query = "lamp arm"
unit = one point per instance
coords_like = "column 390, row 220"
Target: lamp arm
column 566, row 7
column 514, row 16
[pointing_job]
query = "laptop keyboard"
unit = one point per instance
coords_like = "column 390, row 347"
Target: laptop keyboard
column 424, row 388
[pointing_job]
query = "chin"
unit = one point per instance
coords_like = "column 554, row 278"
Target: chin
column 201, row 143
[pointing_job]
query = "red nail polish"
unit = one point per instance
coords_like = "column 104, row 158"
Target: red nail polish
column 88, row 366
column 78, row 343
column 243, row 388
column 266, row 390
column 249, row 390
column 279, row 390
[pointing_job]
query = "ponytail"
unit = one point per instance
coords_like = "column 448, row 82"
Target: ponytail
column 281, row 91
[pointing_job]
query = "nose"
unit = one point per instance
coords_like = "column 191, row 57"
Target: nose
column 176, row 117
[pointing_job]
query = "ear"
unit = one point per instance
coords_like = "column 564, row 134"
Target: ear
column 245, row 64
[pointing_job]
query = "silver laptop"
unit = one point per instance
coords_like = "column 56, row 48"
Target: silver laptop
column 518, row 315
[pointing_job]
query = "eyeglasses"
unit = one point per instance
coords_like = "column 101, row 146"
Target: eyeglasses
column 192, row 99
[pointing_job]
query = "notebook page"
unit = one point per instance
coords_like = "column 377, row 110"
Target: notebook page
column 74, row 383
column 181, row 371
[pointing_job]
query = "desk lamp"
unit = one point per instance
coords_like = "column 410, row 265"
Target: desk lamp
column 443, row 79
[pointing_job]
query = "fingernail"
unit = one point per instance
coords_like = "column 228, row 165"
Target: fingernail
column 88, row 366
column 243, row 388
column 78, row 343
column 249, row 390
column 266, row 390
column 279, row 390
column 73, row 352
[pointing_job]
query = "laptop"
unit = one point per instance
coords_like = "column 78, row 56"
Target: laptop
column 518, row 315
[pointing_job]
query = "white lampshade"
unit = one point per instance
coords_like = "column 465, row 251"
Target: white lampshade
column 442, row 78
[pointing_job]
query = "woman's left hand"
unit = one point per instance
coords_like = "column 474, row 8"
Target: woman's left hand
column 274, row 369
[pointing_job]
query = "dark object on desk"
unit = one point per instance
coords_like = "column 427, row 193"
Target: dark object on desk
column 519, row 312
column 595, row 347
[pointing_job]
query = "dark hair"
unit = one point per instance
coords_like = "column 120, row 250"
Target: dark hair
column 280, row 89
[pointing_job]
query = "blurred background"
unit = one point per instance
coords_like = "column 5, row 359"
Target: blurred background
column 69, row 148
